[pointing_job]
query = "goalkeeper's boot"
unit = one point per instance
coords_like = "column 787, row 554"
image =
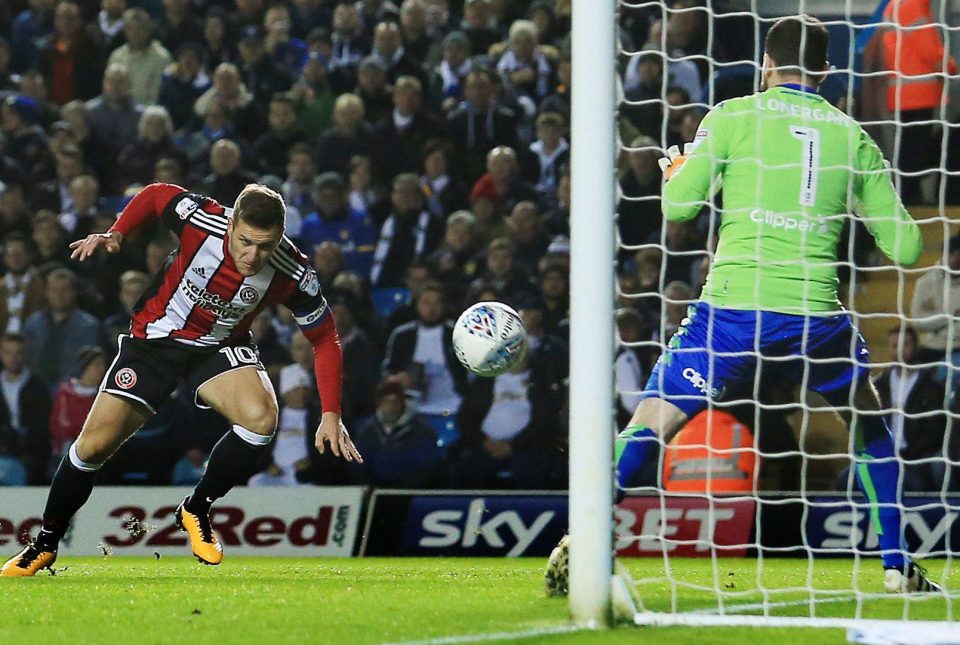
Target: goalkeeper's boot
column 915, row 580
column 28, row 562
column 557, row 577
column 204, row 542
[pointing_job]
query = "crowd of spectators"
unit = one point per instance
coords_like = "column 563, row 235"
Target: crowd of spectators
column 422, row 148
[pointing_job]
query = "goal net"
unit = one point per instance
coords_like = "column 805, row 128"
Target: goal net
column 752, row 514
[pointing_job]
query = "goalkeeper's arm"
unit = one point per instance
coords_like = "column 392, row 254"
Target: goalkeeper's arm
column 689, row 176
column 897, row 235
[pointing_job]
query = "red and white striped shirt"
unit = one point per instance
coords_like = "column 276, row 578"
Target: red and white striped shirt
column 200, row 299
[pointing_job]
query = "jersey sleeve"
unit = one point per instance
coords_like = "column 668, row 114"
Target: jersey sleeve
column 897, row 235
column 312, row 314
column 147, row 206
column 689, row 188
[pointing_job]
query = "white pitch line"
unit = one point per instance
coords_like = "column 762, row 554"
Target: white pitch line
column 741, row 608
column 498, row 636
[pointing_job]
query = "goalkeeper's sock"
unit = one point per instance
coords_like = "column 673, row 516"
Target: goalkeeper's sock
column 878, row 475
column 633, row 448
column 70, row 490
column 230, row 463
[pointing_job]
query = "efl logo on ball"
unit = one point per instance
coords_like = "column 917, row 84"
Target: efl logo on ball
column 125, row 378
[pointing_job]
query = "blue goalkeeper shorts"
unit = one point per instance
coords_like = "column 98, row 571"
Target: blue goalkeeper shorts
column 718, row 351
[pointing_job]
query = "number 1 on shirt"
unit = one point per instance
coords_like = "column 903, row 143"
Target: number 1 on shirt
column 811, row 161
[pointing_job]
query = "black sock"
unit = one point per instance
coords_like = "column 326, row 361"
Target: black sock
column 231, row 462
column 70, row 489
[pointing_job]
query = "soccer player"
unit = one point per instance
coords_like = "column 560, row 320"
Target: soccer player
column 193, row 325
column 792, row 168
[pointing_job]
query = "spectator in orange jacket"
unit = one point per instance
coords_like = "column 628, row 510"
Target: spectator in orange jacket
column 913, row 51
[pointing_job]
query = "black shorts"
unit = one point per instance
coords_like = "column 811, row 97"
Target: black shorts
column 148, row 371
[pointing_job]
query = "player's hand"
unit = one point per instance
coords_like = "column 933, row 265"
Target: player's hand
column 333, row 431
column 82, row 249
column 672, row 162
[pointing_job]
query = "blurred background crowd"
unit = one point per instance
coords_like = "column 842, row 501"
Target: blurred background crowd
column 422, row 148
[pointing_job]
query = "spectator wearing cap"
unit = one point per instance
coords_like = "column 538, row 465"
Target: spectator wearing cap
column 388, row 48
column 272, row 147
column 297, row 421
column 447, row 80
column 399, row 447
column 373, row 90
column 348, row 136
column 335, row 221
column 262, row 76
column 24, row 409
column 480, row 123
column 74, row 398
column 144, row 57
column 178, row 25
column 935, row 308
column 114, row 116
column 183, row 83
column 349, row 43
column 361, row 360
column 70, row 60
column 27, row 143
column 479, row 26
column 29, row 27
column 55, row 334
column 544, row 159
column 227, row 176
column 409, row 234
column 21, row 287
column 444, row 192
column 154, row 142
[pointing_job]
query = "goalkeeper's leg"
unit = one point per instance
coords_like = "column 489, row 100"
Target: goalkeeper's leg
column 878, row 476
column 654, row 420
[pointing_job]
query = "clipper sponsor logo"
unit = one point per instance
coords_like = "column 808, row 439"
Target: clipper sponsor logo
column 696, row 379
column 211, row 301
column 776, row 220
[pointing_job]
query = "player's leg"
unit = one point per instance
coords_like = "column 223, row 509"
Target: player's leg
column 112, row 420
column 685, row 378
column 877, row 469
column 245, row 396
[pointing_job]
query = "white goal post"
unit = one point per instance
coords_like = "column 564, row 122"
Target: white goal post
column 596, row 147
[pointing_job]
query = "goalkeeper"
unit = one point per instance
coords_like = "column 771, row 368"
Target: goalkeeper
column 792, row 167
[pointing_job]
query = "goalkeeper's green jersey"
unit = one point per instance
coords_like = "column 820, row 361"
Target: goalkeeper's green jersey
column 792, row 167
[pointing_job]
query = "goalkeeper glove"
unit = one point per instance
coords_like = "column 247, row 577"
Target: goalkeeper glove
column 672, row 162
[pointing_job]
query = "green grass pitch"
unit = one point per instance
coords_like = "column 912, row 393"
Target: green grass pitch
column 140, row 601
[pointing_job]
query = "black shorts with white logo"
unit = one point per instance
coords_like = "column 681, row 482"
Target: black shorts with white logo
column 148, row 371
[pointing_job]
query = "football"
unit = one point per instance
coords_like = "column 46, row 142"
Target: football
column 489, row 338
